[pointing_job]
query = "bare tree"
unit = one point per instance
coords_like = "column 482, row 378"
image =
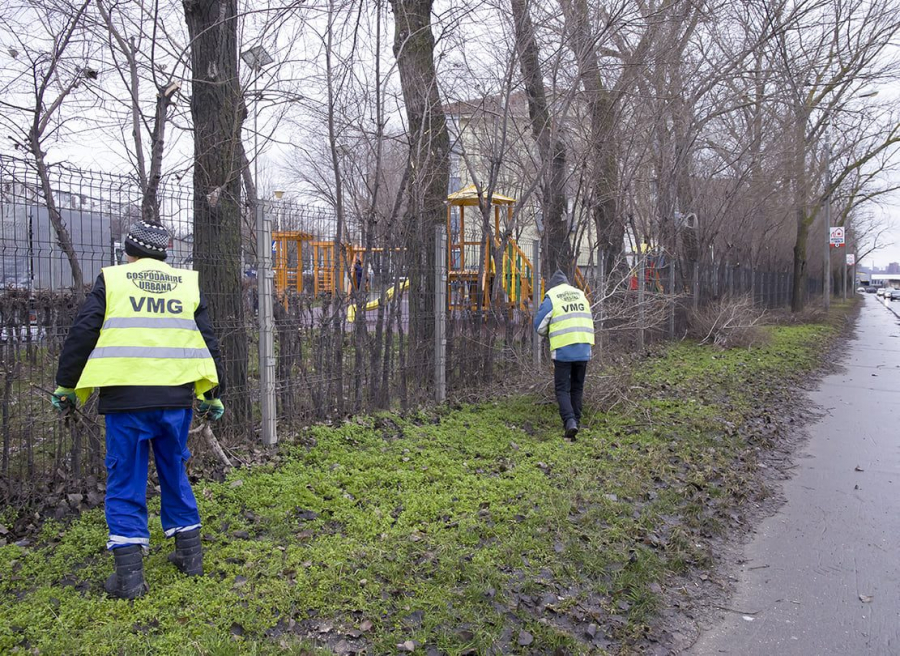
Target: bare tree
column 218, row 112
column 140, row 62
column 826, row 52
column 53, row 74
column 429, row 147
column 550, row 145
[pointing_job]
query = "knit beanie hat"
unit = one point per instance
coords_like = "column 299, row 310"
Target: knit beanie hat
column 147, row 240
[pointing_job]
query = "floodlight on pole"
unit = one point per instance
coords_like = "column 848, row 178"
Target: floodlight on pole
column 256, row 57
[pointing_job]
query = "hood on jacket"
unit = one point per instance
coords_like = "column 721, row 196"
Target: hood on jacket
column 558, row 278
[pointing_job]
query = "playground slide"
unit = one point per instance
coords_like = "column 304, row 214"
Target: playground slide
column 372, row 305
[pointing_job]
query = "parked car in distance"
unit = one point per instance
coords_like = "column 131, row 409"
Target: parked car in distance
column 860, row 290
column 871, row 290
column 894, row 295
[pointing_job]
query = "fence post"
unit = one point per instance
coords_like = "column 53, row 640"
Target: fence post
column 440, row 313
column 641, row 309
column 602, row 302
column 695, row 291
column 672, row 299
column 753, row 285
column 536, row 298
column 265, row 278
column 844, row 280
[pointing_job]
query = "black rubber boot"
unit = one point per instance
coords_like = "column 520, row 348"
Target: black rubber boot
column 188, row 555
column 571, row 429
column 127, row 582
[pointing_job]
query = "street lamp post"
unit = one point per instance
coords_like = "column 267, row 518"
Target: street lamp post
column 257, row 57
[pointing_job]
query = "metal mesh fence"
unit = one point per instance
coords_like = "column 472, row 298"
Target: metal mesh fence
column 358, row 323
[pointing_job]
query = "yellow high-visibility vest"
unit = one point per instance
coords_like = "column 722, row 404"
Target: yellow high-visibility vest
column 570, row 321
column 149, row 336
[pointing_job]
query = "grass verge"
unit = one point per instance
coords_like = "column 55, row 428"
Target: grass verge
column 468, row 530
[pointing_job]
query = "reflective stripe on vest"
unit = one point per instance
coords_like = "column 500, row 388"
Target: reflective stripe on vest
column 146, row 322
column 149, row 336
column 573, row 315
column 168, row 352
column 571, row 321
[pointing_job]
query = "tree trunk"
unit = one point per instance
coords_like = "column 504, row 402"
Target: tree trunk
column 557, row 250
column 801, row 192
column 601, row 104
column 218, row 112
column 63, row 238
column 150, row 201
column 429, row 145
column 798, row 296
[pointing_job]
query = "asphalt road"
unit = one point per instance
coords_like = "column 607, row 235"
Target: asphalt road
column 822, row 576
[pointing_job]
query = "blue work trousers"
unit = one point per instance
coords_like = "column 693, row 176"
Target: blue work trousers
column 128, row 438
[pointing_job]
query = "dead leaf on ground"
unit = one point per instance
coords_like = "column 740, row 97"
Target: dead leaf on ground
column 866, row 599
column 858, row 468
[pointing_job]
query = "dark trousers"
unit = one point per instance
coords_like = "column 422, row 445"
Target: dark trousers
column 568, row 380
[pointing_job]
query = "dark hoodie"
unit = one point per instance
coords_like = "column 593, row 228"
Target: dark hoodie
column 557, row 279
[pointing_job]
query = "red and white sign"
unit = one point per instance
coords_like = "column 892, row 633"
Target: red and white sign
column 851, row 259
column 836, row 237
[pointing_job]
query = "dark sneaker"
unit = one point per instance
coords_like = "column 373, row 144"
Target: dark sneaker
column 571, row 429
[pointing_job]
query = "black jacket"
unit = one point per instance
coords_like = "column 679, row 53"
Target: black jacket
column 82, row 339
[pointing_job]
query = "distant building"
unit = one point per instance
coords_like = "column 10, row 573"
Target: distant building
column 893, row 267
column 30, row 257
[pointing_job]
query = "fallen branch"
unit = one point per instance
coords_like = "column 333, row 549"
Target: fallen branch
column 206, row 432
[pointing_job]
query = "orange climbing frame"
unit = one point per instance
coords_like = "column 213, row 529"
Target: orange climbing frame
column 462, row 270
column 303, row 262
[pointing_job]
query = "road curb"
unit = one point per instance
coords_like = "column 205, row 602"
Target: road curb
column 890, row 306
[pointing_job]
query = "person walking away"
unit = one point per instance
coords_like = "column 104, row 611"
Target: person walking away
column 143, row 337
column 565, row 317
column 357, row 273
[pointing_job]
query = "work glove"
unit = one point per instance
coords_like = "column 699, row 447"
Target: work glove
column 63, row 398
column 211, row 409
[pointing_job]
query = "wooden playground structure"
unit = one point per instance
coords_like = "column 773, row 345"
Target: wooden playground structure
column 306, row 263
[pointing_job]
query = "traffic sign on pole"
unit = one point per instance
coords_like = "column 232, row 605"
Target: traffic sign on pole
column 836, row 236
column 851, row 259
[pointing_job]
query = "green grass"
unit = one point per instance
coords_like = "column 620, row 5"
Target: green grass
column 446, row 529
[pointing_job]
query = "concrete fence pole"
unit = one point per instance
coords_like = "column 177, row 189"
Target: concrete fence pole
column 672, row 302
column 265, row 279
column 440, row 313
column 641, row 309
column 536, row 298
column 695, row 286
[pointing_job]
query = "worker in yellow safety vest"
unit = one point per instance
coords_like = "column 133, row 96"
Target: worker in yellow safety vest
column 565, row 317
column 143, row 338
